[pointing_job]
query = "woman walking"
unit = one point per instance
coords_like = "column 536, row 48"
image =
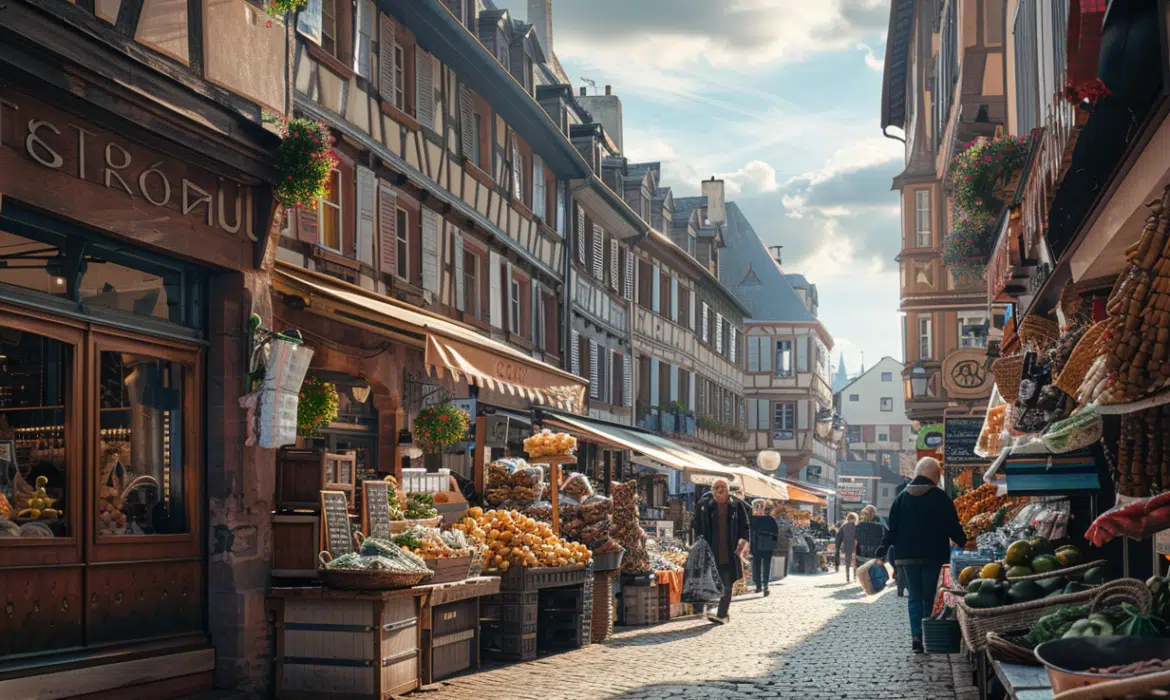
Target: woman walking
column 847, row 544
column 764, row 531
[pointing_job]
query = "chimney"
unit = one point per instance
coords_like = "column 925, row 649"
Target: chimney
column 776, row 253
column 609, row 89
column 540, row 17
column 607, row 111
column 713, row 191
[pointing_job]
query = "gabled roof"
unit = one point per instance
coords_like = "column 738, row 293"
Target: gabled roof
column 683, row 206
column 753, row 275
column 866, row 371
column 797, row 280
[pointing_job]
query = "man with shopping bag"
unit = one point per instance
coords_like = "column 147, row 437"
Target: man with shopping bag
column 724, row 522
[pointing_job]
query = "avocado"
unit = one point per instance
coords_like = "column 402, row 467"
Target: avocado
column 1054, row 594
column 968, row 575
column 1074, row 587
column 1018, row 571
column 1070, row 557
column 981, row 599
column 1024, row 591
column 1054, row 583
column 1045, row 563
column 1040, row 546
column 978, row 584
column 1019, row 553
column 1094, row 576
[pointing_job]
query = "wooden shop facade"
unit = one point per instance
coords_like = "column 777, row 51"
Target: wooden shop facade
column 135, row 222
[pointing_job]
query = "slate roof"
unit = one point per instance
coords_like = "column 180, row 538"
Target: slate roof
column 797, row 280
column 750, row 271
column 683, row 206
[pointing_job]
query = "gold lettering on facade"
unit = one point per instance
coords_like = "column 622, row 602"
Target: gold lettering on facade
column 234, row 228
column 81, row 134
column 54, row 161
column 166, row 185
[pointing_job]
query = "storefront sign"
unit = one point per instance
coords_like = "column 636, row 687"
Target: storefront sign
column 62, row 162
column 851, row 491
column 930, row 436
column 964, row 376
column 959, row 439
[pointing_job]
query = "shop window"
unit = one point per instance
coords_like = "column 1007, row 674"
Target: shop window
column 329, row 214
column 133, row 290
column 35, row 389
column 31, row 264
column 141, row 484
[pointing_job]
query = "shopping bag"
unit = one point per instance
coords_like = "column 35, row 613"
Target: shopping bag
column 872, row 576
column 701, row 582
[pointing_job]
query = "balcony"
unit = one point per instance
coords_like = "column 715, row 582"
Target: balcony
column 668, row 421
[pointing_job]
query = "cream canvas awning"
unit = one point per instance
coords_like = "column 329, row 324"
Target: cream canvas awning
column 449, row 346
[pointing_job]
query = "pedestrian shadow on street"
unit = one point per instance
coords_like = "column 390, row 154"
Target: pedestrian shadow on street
column 834, row 585
column 657, row 635
column 862, row 653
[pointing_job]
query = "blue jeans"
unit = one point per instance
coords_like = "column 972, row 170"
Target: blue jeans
column 921, row 584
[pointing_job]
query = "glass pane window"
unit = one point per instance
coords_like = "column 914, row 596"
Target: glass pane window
column 34, row 391
column 971, row 329
column 925, row 339
column 471, row 284
column 32, row 264
column 403, row 233
column 149, row 293
column 399, row 78
column 783, row 358
column 141, row 484
column 329, row 26
column 329, row 213
column 514, row 317
column 785, row 416
column 922, row 228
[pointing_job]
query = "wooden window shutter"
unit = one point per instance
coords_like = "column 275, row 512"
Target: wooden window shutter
column 424, row 88
column 363, row 30
column 460, row 292
column 386, row 43
column 581, row 235
column 896, row 433
column 616, row 378
column 367, row 186
column 307, row 227
column 706, row 334
column 719, row 333
column 430, row 250
column 629, row 290
column 551, row 328
column 467, row 126
column 614, row 264
column 495, row 290
column 598, row 253
column 387, row 234
column 674, row 299
column 628, row 379
column 575, row 352
column 594, row 371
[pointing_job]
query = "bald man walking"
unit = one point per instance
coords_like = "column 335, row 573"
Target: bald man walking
column 923, row 523
column 725, row 522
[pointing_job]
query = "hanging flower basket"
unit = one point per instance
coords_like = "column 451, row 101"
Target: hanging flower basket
column 280, row 8
column 318, row 405
column 967, row 247
column 439, row 426
column 983, row 172
column 304, row 160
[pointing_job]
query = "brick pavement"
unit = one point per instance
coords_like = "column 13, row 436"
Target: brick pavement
column 814, row 638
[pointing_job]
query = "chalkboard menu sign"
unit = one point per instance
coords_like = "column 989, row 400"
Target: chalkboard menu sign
column 375, row 509
column 335, row 529
column 960, row 435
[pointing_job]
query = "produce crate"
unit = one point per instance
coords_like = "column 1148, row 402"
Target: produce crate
column 663, row 602
column 559, row 631
column 522, row 578
column 452, row 641
column 362, row 644
column 603, row 607
column 941, row 636
column 511, row 613
column 295, row 542
column 497, row 643
column 569, row 599
column 448, row 570
column 638, row 579
column 639, row 605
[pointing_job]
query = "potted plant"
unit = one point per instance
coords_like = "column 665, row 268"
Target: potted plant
column 317, row 405
column 440, row 426
column 304, row 160
column 986, row 174
column 968, row 245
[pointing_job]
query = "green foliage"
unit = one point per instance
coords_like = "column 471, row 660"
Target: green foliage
column 437, row 427
column 318, row 404
column 304, row 160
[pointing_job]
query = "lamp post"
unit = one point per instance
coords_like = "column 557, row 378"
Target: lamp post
column 919, row 379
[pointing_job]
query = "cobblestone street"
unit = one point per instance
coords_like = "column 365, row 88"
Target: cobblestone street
column 814, row 638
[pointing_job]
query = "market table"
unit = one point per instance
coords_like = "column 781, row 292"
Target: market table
column 449, row 625
column 1023, row 682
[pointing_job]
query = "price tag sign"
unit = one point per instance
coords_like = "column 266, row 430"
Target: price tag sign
column 335, row 528
column 960, row 435
column 376, row 509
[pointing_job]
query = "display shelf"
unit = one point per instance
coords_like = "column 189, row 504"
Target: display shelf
column 1120, row 409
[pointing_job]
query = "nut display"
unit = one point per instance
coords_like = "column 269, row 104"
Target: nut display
column 547, row 444
column 1143, row 452
column 514, row 539
column 627, row 529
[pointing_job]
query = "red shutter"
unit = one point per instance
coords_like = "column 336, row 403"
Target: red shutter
column 869, row 433
column 896, row 433
column 387, row 235
column 306, row 220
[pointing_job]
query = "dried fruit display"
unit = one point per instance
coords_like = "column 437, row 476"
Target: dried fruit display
column 627, row 529
column 1136, row 347
column 547, row 444
column 1143, row 452
column 514, row 539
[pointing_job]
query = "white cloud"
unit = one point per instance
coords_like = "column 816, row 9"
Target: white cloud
column 755, row 176
column 872, row 62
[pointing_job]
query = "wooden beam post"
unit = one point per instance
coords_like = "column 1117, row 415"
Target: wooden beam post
column 478, row 455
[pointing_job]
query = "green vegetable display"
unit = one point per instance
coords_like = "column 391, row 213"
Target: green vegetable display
column 1138, row 625
column 420, row 506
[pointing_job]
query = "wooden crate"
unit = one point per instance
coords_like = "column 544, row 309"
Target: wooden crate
column 496, row 642
column 295, row 541
column 639, row 605
column 298, row 479
column 449, row 570
column 354, row 644
column 524, row 578
column 663, row 602
column 450, row 626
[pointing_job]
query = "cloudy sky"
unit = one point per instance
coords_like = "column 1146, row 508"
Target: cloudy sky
column 780, row 98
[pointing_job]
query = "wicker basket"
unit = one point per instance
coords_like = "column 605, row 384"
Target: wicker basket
column 1004, row 649
column 367, row 580
column 1060, row 572
column 1039, row 330
column 1008, row 372
column 1070, row 378
column 977, row 622
column 1070, row 299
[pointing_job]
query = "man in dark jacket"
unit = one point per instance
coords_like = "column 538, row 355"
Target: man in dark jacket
column 923, row 523
column 724, row 521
